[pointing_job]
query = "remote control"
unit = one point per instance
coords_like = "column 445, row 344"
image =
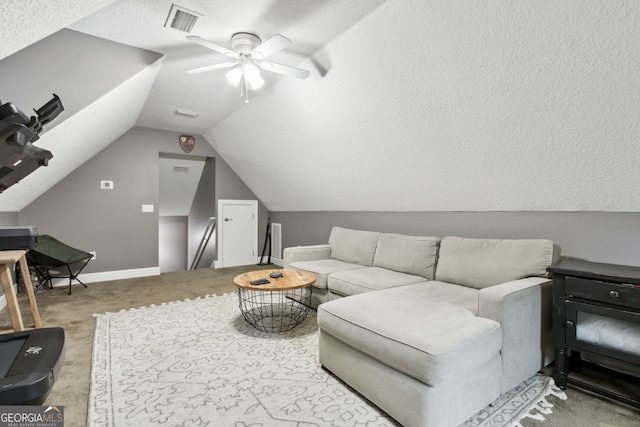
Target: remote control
column 275, row 274
column 261, row 281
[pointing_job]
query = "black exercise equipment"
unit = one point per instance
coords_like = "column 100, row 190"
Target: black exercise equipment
column 18, row 156
column 16, row 238
column 30, row 362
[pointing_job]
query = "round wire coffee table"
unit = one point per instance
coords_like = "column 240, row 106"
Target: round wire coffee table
column 276, row 306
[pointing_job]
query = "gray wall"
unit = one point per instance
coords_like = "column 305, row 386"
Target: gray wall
column 72, row 60
column 111, row 222
column 204, row 207
column 611, row 237
column 173, row 243
column 8, row 219
column 238, row 190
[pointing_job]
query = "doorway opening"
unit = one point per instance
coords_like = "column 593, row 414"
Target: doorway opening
column 186, row 202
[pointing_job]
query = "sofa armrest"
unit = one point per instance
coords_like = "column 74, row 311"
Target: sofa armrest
column 524, row 309
column 305, row 253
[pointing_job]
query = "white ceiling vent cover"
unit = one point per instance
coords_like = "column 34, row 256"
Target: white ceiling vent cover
column 181, row 19
column 185, row 113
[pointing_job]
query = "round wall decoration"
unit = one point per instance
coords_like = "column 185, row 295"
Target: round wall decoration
column 187, row 142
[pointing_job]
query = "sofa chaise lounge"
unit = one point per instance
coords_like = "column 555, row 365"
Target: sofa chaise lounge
column 430, row 330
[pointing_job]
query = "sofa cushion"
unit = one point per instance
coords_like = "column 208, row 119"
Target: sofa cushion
column 481, row 263
column 353, row 246
column 432, row 342
column 407, row 254
column 367, row 279
column 322, row 268
column 436, row 291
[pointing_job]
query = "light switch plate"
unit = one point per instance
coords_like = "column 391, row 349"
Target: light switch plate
column 147, row 208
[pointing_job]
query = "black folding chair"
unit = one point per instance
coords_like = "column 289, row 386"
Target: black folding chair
column 51, row 253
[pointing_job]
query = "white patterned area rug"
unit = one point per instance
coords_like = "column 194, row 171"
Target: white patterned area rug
column 198, row 363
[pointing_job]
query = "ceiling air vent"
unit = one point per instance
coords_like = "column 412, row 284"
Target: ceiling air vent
column 181, row 19
column 186, row 113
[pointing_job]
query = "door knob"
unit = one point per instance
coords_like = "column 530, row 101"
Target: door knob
column 228, row 219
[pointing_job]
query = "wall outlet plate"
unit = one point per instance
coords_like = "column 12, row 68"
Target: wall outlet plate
column 106, row 185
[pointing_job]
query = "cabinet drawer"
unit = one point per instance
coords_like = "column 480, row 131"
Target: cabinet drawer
column 611, row 293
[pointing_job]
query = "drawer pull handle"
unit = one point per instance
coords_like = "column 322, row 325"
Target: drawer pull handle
column 614, row 294
column 569, row 324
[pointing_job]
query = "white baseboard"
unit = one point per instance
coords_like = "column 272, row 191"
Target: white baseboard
column 119, row 274
column 98, row 277
column 104, row 276
column 276, row 261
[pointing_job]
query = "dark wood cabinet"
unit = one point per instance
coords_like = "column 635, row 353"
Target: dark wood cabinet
column 596, row 309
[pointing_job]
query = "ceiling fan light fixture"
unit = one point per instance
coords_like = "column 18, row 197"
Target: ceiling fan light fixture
column 254, row 83
column 251, row 74
column 251, row 71
column 234, row 76
column 249, row 52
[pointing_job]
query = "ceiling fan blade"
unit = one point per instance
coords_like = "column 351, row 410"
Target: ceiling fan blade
column 212, row 67
column 271, row 46
column 284, row 69
column 212, row 46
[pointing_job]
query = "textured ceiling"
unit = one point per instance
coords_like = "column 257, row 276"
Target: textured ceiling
column 309, row 24
column 24, row 22
column 151, row 98
column 455, row 106
column 411, row 104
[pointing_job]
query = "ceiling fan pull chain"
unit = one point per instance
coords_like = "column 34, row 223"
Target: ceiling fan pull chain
column 244, row 90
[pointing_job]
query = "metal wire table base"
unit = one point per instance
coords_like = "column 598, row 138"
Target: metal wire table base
column 274, row 311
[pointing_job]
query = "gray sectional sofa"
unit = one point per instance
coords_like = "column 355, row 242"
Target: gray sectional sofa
column 430, row 330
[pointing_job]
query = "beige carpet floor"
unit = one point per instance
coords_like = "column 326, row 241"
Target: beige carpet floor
column 75, row 314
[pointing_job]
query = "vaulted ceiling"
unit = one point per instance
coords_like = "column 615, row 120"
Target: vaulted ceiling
column 411, row 105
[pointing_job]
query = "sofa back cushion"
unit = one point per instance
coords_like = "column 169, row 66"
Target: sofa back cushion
column 353, row 246
column 407, row 254
column 480, row 263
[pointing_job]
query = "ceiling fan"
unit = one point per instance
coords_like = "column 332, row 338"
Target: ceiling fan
column 249, row 55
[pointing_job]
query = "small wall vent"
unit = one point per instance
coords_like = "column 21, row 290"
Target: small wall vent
column 181, row 19
column 180, row 169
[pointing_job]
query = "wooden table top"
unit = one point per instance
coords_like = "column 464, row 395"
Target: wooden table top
column 291, row 279
column 11, row 256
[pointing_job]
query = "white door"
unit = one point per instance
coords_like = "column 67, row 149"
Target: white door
column 237, row 232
